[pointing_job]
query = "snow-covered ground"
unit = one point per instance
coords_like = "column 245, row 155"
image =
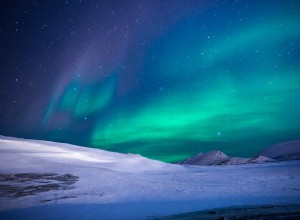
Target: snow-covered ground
column 51, row 180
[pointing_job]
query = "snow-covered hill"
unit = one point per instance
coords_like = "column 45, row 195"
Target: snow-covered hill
column 283, row 151
column 219, row 158
column 47, row 180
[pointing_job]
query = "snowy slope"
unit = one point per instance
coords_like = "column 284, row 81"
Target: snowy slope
column 283, row 151
column 210, row 158
column 51, row 153
column 219, row 158
column 55, row 181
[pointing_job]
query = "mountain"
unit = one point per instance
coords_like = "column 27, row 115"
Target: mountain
column 214, row 157
column 239, row 160
column 219, row 158
column 279, row 152
column 289, row 150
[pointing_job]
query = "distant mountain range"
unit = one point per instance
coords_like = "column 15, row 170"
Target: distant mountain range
column 283, row 151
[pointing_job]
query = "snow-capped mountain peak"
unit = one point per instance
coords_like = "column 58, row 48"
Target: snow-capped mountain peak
column 216, row 157
column 283, row 151
column 210, row 158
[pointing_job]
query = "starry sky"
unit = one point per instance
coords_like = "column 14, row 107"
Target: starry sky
column 162, row 78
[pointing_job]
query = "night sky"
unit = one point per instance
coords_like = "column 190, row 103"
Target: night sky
column 164, row 79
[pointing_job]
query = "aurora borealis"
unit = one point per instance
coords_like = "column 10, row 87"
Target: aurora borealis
column 164, row 79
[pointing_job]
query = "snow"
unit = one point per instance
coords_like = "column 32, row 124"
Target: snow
column 92, row 183
column 283, row 151
column 216, row 157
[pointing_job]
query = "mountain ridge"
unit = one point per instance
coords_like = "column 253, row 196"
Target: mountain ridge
column 283, row 151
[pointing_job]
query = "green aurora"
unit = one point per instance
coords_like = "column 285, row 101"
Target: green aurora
column 165, row 80
column 230, row 109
